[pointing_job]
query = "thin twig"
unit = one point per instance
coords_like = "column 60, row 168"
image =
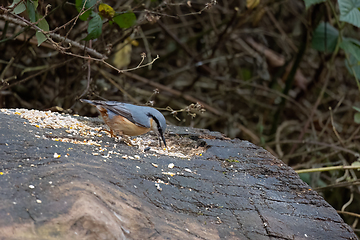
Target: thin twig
column 131, row 69
column 5, row 69
column 25, row 23
column 88, row 75
column 349, row 213
column 174, row 92
column 110, row 77
column 38, row 73
column 326, row 169
column 348, row 202
column 334, row 129
column 318, row 100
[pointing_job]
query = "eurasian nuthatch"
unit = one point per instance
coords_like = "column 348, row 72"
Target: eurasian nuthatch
column 128, row 119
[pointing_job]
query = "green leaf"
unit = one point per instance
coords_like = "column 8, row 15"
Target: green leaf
column 306, row 177
column 93, row 14
column 30, row 9
column 357, row 109
column 349, row 11
column 40, row 37
column 125, row 20
column 308, row 3
column 325, row 37
column 357, row 118
column 79, row 4
column 351, row 46
column 356, row 164
column 43, row 24
column 94, row 28
column 85, row 15
column 353, row 65
column 19, row 8
column 36, row 3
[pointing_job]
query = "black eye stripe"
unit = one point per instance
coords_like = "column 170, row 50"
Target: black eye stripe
column 157, row 122
column 160, row 131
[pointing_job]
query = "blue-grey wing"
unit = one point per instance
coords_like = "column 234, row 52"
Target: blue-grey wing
column 133, row 113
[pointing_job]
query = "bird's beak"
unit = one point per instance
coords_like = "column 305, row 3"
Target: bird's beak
column 162, row 137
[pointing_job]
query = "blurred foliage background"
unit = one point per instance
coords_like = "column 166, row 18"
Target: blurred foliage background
column 281, row 74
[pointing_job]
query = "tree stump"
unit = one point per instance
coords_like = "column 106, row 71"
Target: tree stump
column 76, row 183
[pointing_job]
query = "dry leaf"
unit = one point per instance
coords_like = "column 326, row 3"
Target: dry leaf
column 251, row 4
column 122, row 57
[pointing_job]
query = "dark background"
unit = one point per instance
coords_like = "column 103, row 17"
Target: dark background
column 238, row 62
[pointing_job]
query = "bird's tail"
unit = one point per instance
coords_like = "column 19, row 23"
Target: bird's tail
column 92, row 102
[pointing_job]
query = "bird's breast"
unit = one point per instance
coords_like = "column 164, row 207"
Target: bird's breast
column 121, row 125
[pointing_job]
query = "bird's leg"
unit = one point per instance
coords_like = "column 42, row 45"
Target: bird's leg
column 127, row 140
column 120, row 136
column 108, row 131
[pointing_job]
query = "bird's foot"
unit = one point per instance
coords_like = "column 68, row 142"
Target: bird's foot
column 127, row 140
column 108, row 131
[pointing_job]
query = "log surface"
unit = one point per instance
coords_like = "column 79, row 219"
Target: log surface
column 233, row 190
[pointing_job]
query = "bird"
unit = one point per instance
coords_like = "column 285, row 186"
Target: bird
column 131, row 120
